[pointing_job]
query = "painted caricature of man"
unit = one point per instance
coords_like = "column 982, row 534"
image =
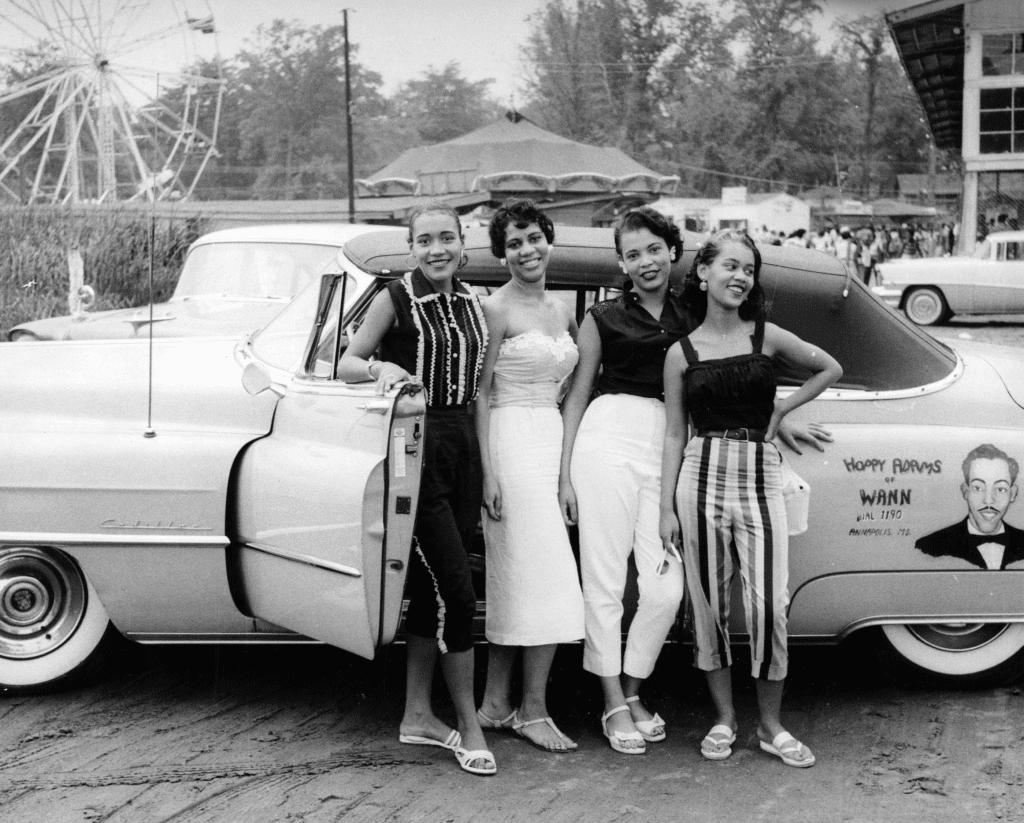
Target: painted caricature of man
column 982, row 538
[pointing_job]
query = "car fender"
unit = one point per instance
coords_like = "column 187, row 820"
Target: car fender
column 832, row 606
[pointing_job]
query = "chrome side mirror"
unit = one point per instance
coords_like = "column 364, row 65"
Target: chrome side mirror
column 256, row 380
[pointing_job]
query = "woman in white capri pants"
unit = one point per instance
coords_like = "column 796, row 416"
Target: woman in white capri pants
column 610, row 477
column 611, row 470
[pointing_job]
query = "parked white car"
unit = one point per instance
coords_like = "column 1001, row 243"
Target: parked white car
column 933, row 289
column 233, row 281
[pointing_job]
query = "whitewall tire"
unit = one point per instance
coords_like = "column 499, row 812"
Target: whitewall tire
column 53, row 626
column 926, row 306
column 970, row 654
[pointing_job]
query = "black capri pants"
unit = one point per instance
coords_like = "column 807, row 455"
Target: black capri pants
column 442, row 602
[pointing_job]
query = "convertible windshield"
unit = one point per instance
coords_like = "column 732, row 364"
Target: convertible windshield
column 252, row 270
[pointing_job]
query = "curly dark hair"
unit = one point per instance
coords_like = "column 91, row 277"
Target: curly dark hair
column 434, row 207
column 656, row 223
column 755, row 307
column 519, row 213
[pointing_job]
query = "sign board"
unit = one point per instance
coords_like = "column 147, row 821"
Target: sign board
column 734, row 195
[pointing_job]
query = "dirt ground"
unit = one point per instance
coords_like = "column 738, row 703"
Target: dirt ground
column 213, row 734
column 310, row 734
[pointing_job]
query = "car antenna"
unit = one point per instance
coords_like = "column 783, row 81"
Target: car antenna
column 150, row 431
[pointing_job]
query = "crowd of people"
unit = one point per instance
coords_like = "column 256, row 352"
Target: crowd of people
column 862, row 248
column 652, row 426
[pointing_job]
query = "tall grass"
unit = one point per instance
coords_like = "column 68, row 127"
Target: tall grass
column 35, row 241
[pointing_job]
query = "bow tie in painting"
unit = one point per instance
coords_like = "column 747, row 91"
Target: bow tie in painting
column 981, row 539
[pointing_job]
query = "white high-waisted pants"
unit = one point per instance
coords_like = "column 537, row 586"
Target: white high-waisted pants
column 616, row 474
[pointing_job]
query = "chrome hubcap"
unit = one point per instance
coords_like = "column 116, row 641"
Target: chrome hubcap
column 924, row 307
column 42, row 601
column 957, row 637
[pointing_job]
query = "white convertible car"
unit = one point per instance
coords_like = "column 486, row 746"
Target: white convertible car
column 235, row 492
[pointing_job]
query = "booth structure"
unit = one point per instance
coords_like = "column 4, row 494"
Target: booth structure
column 965, row 59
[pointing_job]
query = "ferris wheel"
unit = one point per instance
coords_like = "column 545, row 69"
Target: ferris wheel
column 109, row 99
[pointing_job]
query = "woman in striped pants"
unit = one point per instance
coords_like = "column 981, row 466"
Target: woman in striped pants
column 724, row 482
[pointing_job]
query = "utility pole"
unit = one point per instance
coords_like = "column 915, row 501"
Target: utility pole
column 932, row 181
column 348, row 129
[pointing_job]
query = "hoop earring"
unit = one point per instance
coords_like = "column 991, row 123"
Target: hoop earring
column 703, row 285
column 463, row 260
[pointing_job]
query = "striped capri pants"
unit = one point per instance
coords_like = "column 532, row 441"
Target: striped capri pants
column 730, row 506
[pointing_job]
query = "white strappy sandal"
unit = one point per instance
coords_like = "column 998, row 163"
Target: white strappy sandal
column 647, row 727
column 617, row 738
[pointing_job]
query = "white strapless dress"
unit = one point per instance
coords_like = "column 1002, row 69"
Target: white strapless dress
column 533, row 589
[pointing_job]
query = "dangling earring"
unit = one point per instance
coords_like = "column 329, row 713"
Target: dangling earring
column 463, row 259
column 703, row 285
column 623, row 267
column 672, row 255
column 503, row 261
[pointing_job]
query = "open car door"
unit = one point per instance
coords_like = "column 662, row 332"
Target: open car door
column 326, row 503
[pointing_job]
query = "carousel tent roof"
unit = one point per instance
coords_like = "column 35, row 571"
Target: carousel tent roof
column 515, row 154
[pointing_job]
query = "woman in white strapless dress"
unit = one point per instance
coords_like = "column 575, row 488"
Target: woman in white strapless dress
column 534, row 601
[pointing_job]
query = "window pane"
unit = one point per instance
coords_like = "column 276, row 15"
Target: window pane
column 1018, row 120
column 995, row 143
column 1018, row 141
column 996, row 54
column 995, row 121
column 1018, row 94
column 996, row 98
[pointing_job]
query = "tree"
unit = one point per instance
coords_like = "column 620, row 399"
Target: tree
column 792, row 93
column 568, row 79
column 443, row 104
column 291, row 86
column 603, row 70
column 866, row 38
column 774, row 28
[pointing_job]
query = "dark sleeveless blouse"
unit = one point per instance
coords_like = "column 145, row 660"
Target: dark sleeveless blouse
column 440, row 338
column 634, row 343
column 730, row 392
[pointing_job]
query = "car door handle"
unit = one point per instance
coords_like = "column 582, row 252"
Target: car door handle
column 376, row 406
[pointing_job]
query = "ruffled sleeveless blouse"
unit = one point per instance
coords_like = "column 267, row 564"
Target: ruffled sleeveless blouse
column 440, row 338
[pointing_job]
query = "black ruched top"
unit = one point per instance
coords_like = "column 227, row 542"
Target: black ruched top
column 634, row 343
column 730, row 392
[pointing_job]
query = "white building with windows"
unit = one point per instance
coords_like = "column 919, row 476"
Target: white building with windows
column 966, row 61
column 774, row 211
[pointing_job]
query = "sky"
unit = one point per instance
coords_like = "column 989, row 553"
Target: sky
column 399, row 39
